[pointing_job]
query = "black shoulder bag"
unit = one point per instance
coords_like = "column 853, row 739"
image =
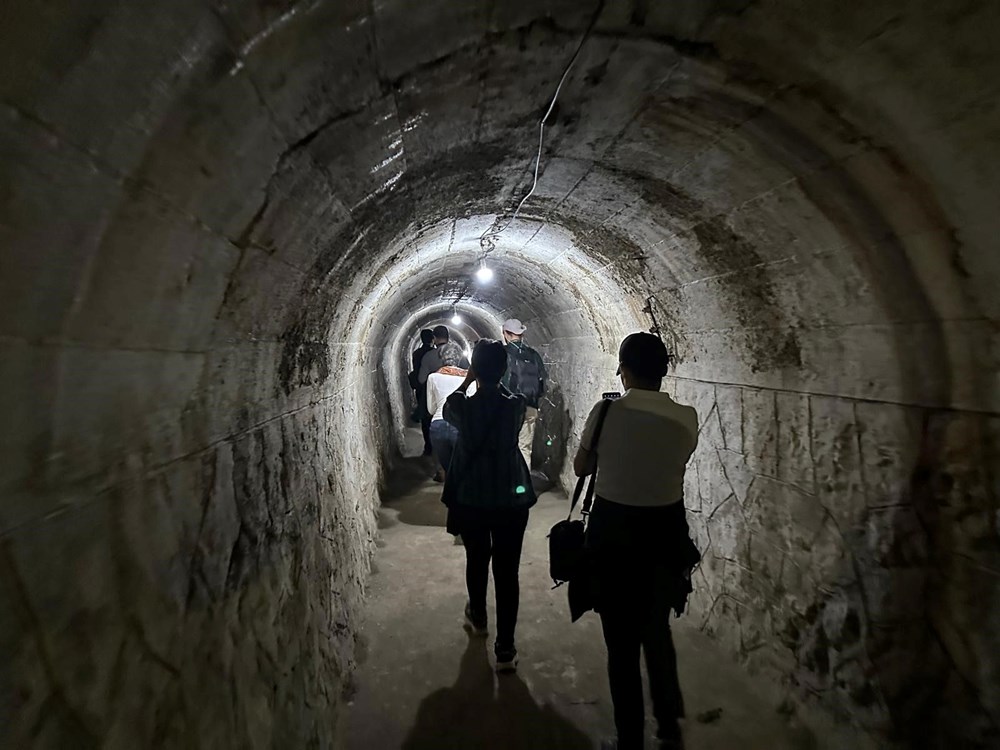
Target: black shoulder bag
column 566, row 538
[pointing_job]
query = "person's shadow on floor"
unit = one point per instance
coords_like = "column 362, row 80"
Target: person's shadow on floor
column 483, row 711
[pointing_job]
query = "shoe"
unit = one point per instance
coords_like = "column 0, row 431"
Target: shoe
column 506, row 660
column 670, row 737
column 473, row 625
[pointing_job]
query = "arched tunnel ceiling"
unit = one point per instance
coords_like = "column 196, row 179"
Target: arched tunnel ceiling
column 220, row 219
column 320, row 133
column 245, row 174
column 674, row 171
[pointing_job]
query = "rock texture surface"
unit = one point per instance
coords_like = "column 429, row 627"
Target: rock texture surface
column 222, row 222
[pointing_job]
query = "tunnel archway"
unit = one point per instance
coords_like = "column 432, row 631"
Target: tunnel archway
column 221, row 222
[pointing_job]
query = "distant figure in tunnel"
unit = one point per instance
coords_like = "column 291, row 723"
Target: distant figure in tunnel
column 432, row 361
column 420, row 389
column 638, row 538
column 525, row 376
column 444, row 350
column 440, row 385
column 488, row 493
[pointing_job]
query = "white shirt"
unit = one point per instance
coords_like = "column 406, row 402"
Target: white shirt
column 645, row 443
column 439, row 387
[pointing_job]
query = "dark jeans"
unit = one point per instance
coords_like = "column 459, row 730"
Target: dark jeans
column 425, row 417
column 634, row 586
column 444, row 435
column 496, row 534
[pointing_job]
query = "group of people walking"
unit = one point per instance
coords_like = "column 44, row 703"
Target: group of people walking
column 439, row 364
column 482, row 414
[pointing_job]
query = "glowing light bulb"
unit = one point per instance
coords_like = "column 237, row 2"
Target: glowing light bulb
column 484, row 274
column 456, row 319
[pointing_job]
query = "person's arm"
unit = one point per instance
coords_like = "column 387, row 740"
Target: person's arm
column 505, row 378
column 432, row 395
column 695, row 432
column 454, row 407
column 585, row 461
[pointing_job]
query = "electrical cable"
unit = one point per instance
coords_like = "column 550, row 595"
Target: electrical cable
column 486, row 241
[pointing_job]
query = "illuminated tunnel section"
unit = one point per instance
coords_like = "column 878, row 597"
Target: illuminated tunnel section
column 224, row 221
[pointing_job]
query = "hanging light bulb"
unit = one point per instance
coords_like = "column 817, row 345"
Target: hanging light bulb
column 456, row 319
column 484, row 274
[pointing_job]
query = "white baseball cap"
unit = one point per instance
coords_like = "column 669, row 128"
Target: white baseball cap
column 515, row 326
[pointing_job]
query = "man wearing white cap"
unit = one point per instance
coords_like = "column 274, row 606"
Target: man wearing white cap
column 526, row 376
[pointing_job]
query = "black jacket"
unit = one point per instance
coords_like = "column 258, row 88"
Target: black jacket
column 487, row 468
column 418, row 356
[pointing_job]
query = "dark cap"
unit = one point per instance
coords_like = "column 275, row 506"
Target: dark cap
column 644, row 355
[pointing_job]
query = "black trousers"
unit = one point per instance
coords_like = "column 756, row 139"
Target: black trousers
column 425, row 417
column 495, row 535
column 634, row 589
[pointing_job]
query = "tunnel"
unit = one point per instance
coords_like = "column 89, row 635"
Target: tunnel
column 224, row 223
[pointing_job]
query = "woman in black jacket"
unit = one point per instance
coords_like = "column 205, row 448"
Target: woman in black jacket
column 488, row 493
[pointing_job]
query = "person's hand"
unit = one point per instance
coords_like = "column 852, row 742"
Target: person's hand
column 470, row 378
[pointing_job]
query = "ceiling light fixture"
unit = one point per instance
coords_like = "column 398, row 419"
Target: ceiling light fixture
column 456, row 319
column 484, row 274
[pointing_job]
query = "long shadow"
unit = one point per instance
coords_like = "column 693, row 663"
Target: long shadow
column 489, row 712
column 407, row 476
column 409, row 492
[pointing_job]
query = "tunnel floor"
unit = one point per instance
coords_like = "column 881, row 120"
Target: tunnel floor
column 424, row 683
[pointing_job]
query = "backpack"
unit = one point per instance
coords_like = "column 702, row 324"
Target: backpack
column 525, row 369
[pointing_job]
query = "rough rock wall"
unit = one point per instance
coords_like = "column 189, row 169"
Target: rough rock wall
column 823, row 518
column 198, row 601
column 190, row 474
column 198, row 584
column 213, row 219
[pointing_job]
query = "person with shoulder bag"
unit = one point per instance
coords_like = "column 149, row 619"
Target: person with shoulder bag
column 488, row 493
column 639, row 551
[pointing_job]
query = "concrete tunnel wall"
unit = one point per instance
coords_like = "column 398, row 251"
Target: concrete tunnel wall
column 213, row 217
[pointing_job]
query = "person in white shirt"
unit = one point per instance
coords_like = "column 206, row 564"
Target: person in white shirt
column 637, row 537
column 440, row 385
